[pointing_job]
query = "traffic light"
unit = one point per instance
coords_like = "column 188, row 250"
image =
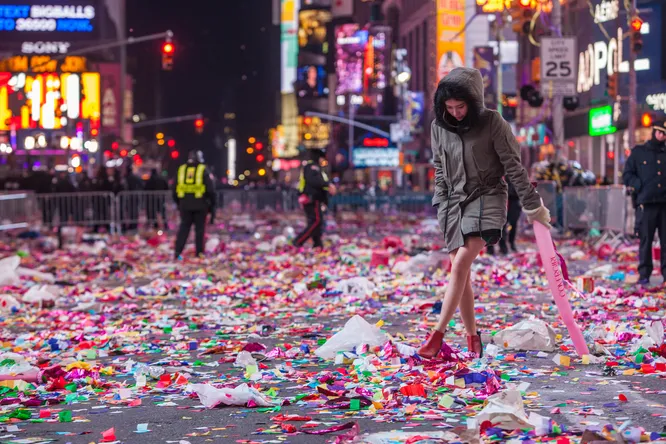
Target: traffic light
column 260, row 158
column 174, row 155
column 167, row 55
column 171, row 143
column 521, row 16
column 259, row 146
column 646, row 120
column 636, row 37
column 611, row 85
column 199, row 125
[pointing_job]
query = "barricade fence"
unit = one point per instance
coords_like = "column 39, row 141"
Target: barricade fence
column 607, row 209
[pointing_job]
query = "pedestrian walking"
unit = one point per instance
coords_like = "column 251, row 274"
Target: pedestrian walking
column 473, row 148
column 195, row 195
column 644, row 175
column 313, row 188
column 156, row 201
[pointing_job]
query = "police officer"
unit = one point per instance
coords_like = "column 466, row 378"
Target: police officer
column 645, row 174
column 195, row 195
column 313, row 187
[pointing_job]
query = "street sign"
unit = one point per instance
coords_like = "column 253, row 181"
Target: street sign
column 558, row 66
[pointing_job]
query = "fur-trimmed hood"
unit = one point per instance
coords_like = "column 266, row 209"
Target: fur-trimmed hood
column 462, row 84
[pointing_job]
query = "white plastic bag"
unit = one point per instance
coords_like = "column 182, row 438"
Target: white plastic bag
column 279, row 241
column 41, row 293
column 244, row 359
column 358, row 287
column 8, row 274
column 529, row 334
column 212, row 244
column 211, row 397
column 7, row 303
column 356, row 331
column 504, row 410
column 19, row 366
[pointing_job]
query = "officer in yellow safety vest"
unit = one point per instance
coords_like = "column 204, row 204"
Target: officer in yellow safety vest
column 194, row 193
column 314, row 189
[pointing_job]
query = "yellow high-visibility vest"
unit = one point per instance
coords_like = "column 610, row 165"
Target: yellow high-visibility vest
column 191, row 181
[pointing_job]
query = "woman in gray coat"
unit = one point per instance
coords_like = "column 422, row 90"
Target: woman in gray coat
column 473, row 148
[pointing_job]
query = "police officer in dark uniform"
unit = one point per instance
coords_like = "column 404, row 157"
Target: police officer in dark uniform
column 645, row 174
column 194, row 193
column 313, row 187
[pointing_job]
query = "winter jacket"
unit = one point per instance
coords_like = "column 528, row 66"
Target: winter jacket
column 471, row 157
column 645, row 172
column 314, row 183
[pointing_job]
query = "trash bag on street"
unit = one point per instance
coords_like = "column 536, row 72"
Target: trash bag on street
column 211, row 396
column 356, row 331
column 504, row 410
column 530, row 334
column 8, row 274
column 358, row 287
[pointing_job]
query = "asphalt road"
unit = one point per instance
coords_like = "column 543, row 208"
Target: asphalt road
column 577, row 397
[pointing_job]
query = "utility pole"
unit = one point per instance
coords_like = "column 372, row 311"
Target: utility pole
column 632, row 82
column 557, row 104
column 500, row 76
column 123, row 66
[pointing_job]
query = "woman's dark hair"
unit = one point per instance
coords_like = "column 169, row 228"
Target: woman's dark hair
column 455, row 91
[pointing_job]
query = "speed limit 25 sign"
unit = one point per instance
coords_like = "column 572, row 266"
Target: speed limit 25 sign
column 558, row 66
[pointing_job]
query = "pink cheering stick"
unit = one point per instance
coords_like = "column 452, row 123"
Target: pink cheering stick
column 556, row 271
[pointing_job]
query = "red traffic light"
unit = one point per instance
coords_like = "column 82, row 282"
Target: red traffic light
column 168, row 48
column 123, row 153
column 646, row 120
column 636, row 24
column 171, row 143
column 174, row 154
column 114, row 146
column 107, row 153
column 259, row 146
column 260, row 158
column 307, row 120
column 199, row 123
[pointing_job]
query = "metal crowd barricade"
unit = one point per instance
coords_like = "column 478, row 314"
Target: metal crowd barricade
column 146, row 209
column 280, row 201
column 17, row 210
column 582, row 208
column 89, row 209
column 548, row 192
column 614, row 205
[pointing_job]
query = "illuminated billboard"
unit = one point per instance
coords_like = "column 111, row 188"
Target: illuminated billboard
column 450, row 36
column 312, row 82
column 312, row 30
column 34, row 27
column 48, row 101
column 350, row 46
column 289, row 44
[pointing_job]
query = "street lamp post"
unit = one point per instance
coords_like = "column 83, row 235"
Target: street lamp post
column 402, row 76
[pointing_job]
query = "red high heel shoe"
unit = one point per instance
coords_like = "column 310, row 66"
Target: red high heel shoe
column 432, row 345
column 474, row 345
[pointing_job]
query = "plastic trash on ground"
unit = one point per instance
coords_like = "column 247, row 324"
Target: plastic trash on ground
column 8, row 273
column 212, row 397
column 40, row 294
column 358, row 287
column 244, row 359
column 530, row 334
column 356, row 331
column 423, row 263
column 13, row 364
column 8, row 303
column 504, row 410
column 212, row 244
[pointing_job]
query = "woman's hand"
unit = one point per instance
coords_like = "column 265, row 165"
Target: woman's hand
column 541, row 214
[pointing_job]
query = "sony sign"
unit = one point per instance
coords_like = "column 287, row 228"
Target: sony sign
column 45, row 47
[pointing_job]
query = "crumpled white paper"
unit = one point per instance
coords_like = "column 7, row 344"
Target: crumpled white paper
column 529, row 334
column 244, row 359
column 40, row 293
column 505, row 410
column 356, row 331
column 211, row 396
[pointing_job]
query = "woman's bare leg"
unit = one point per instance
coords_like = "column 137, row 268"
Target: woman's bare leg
column 459, row 280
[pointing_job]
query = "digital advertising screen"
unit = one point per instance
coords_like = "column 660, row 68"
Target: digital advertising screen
column 311, row 82
column 350, row 46
column 312, row 35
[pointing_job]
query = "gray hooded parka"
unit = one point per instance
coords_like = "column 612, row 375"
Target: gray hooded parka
column 471, row 157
